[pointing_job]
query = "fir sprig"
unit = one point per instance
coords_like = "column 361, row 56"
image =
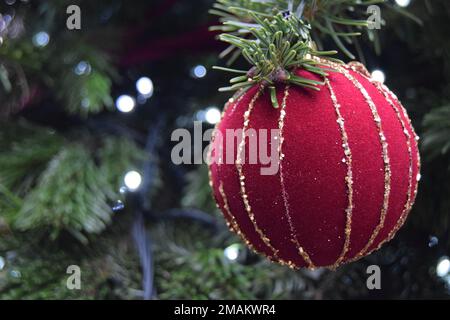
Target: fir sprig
column 342, row 20
column 48, row 183
column 279, row 46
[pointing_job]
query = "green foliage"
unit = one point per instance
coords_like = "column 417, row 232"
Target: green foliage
column 276, row 37
column 197, row 193
column 12, row 97
column 281, row 45
column 69, row 194
column 194, row 266
column 53, row 66
column 118, row 155
column 340, row 20
column 86, row 93
column 48, row 185
column 36, row 269
column 25, row 151
column 436, row 137
column 435, row 147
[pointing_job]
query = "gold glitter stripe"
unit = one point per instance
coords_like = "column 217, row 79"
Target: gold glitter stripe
column 294, row 238
column 357, row 67
column 234, row 227
column 231, row 219
column 408, row 206
column 416, row 142
column 349, row 177
column 239, row 167
column 235, row 99
column 385, row 157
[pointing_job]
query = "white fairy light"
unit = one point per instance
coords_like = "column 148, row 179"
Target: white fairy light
column 145, row 87
column 125, row 103
column 232, row 252
column 41, row 39
column 443, row 267
column 118, row 206
column 199, row 71
column 378, row 75
column 82, row 67
column 132, row 180
column 434, row 241
column 123, row 190
column 403, row 3
column 212, row 115
column 86, row 103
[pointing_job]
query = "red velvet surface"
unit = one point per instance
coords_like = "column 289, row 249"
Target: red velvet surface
column 314, row 174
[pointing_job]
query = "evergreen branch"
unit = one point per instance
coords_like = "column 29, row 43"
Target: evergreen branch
column 436, row 138
column 327, row 17
column 49, row 184
column 280, row 46
column 407, row 14
column 42, row 264
column 274, row 36
column 75, row 69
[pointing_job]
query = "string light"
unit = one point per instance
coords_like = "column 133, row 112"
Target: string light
column 86, row 103
column 434, row 241
column 403, row 3
column 232, row 252
column 118, row 206
column 125, row 103
column 145, row 87
column 133, row 180
column 41, row 39
column 443, row 267
column 378, row 75
column 199, row 71
column 82, row 67
column 212, row 115
column 123, row 190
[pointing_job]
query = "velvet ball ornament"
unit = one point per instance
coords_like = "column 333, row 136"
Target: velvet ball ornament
column 347, row 176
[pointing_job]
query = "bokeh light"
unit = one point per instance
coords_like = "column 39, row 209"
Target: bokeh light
column 378, row 75
column 145, row 87
column 41, row 39
column 133, row 180
column 125, row 103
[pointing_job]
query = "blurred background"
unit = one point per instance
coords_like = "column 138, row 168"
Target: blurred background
column 86, row 177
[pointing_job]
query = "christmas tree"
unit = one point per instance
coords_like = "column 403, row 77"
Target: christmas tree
column 91, row 93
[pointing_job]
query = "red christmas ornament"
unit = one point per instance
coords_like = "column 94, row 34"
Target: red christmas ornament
column 348, row 172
